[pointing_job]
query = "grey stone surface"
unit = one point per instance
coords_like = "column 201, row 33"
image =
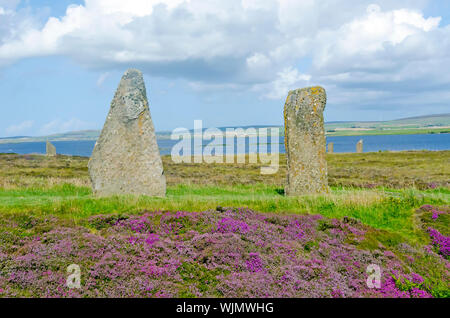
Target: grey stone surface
column 359, row 146
column 330, row 147
column 305, row 142
column 126, row 157
column 50, row 149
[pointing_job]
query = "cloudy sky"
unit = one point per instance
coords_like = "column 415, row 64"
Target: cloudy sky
column 226, row 62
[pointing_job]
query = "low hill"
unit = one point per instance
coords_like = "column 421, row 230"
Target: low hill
column 414, row 125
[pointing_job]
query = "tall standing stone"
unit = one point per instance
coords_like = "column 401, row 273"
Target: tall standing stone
column 359, row 146
column 126, row 157
column 331, row 147
column 305, row 141
column 50, row 149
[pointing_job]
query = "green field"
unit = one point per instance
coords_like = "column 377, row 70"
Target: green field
column 391, row 210
column 380, row 189
column 390, row 196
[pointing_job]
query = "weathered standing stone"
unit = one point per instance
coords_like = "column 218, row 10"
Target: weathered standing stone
column 330, row 147
column 359, row 146
column 50, row 149
column 126, row 157
column 305, row 141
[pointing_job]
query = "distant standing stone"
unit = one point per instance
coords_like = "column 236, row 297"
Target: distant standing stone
column 305, row 142
column 50, row 149
column 126, row 157
column 330, row 147
column 359, row 146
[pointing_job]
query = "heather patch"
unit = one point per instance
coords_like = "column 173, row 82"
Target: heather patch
column 441, row 242
column 436, row 222
column 224, row 253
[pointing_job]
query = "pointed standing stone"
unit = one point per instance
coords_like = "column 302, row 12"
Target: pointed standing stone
column 50, row 149
column 359, row 146
column 331, row 147
column 126, row 157
column 305, row 141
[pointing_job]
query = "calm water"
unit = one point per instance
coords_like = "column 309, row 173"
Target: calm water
column 341, row 144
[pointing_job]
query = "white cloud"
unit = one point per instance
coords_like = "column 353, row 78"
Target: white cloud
column 62, row 126
column 396, row 54
column 360, row 49
column 258, row 61
column 375, row 32
column 286, row 80
column 20, row 128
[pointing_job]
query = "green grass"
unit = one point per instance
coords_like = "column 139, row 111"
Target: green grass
column 382, row 190
column 391, row 210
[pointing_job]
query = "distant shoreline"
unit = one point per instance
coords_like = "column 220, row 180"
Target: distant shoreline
column 340, row 133
column 246, row 155
column 419, row 131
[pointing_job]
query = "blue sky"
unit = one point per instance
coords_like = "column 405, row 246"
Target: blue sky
column 227, row 63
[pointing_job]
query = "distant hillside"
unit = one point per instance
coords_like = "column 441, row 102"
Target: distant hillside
column 413, row 125
column 426, row 118
column 75, row 135
column 16, row 137
column 69, row 136
column 413, row 122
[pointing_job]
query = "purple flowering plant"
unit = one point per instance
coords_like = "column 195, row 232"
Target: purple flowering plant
column 229, row 253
